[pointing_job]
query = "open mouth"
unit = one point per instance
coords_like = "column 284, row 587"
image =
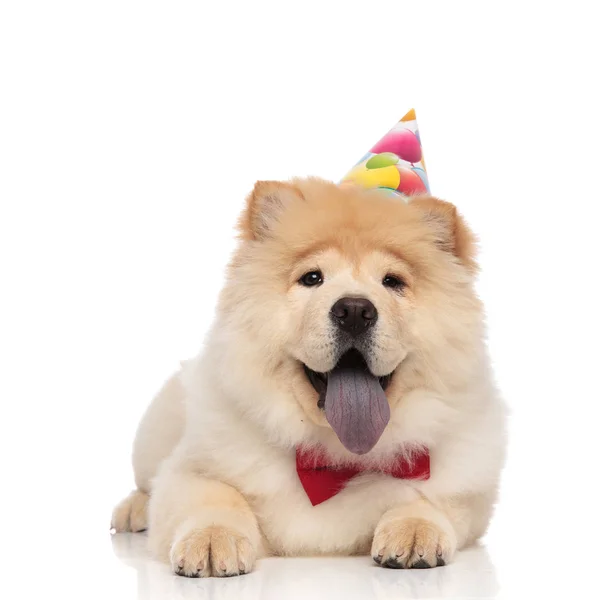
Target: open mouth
column 352, row 359
column 354, row 401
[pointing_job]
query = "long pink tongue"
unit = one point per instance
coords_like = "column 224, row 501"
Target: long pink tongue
column 356, row 407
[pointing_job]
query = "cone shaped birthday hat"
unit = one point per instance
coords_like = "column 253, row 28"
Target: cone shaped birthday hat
column 395, row 163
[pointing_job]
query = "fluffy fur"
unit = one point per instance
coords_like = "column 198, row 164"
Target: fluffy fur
column 214, row 456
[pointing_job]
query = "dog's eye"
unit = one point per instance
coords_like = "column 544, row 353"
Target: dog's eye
column 311, row 278
column 393, row 282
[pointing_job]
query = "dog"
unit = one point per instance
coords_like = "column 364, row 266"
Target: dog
column 344, row 401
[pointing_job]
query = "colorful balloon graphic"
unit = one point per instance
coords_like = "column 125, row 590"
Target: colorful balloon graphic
column 422, row 174
column 395, row 164
column 371, row 178
column 385, row 159
column 410, row 182
column 402, row 142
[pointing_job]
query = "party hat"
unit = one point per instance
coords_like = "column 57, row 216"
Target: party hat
column 395, row 163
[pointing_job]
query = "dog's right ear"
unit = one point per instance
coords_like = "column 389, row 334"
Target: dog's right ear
column 265, row 205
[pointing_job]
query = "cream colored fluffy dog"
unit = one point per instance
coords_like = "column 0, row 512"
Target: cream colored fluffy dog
column 348, row 342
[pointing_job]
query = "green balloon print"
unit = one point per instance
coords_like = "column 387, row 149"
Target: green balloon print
column 385, row 159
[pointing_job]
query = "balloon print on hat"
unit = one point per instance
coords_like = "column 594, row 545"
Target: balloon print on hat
column 385, row 159
column 423, row 175
column 402, row 142
column 395, row 164
column 388, row 177
column 410, row 182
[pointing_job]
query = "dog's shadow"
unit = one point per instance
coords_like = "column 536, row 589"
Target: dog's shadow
column 471, row 575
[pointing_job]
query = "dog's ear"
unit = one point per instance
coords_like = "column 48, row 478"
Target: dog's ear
column 265, row 204
column 452, row 233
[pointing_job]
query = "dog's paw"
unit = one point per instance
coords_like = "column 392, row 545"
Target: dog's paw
column 215, row 550
column 411, row 543
column 131, row 513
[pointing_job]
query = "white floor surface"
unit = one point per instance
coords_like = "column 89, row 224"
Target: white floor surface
column 472, row 576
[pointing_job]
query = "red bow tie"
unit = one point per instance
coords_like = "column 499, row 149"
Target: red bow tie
column 321, row 481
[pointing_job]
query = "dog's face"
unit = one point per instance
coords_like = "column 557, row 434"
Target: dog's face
column 346, row 293
column 347, row 299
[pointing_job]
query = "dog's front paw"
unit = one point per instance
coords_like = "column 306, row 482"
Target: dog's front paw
column 411, row 543
column 215, row 550
column 131, row 513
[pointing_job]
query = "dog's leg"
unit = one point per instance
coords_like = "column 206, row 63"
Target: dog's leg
column 421, row 535
column 157, row 434
column 203, row 527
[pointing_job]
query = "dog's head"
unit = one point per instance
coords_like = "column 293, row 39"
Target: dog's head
column 351, row 298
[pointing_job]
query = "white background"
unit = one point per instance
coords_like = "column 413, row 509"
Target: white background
column 130, row 133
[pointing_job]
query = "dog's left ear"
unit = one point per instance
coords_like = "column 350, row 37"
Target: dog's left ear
column 452, row 233
column 264, row 207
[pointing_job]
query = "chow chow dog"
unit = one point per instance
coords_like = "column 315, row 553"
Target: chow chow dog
column 343, row 402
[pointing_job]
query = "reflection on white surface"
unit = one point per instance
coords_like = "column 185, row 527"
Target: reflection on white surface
column 472, row 575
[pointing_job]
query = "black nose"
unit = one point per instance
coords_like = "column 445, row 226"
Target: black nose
column 354, row 315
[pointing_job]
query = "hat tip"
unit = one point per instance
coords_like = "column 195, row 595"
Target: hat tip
column 409, row 116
